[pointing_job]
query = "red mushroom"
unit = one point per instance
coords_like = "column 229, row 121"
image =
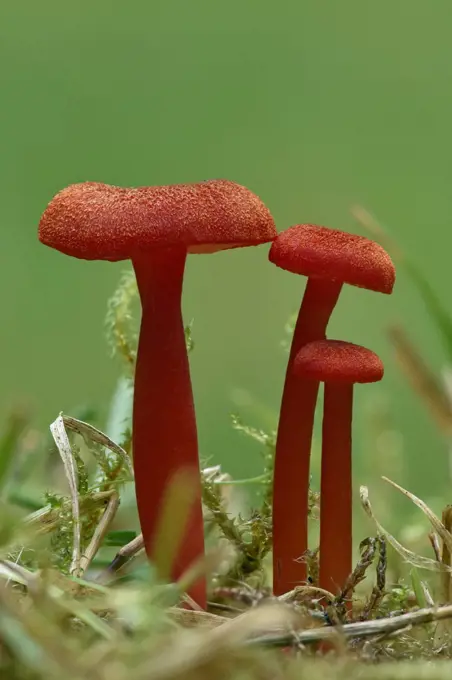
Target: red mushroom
column 329, row 258
column 339, row 365
column 156, row 227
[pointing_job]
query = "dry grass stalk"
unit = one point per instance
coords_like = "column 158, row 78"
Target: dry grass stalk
column 99, row 533
column 408, row 555
column 422, row 380
column 90, row 433
column 122, row 557
column 61, row 439
column 434, row 542
column 376, row 231
column 361, row 629
column 436, row 523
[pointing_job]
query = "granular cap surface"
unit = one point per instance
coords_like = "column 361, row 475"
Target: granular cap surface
column 316, row 251
column 338, row 361
column 97, row 221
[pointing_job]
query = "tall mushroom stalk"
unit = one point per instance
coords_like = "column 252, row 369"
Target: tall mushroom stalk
column 156, row 227
column 294, row 440
column 339, row 365
column 164, row 425
column 329, row 258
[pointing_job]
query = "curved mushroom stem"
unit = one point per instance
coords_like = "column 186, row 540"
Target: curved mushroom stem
column 336, row 488
column 164, row 424
column 293, row 444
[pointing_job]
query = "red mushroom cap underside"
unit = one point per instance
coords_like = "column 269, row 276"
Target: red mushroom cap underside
column 315, row 251
column 339, row 362
column 95, row 221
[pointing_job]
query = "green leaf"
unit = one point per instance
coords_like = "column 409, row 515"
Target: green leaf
column 119, row 538
column 120, row 415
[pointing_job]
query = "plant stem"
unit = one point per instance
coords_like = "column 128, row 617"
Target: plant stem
column 336, row 488
column 293, row 444
column 164, row 425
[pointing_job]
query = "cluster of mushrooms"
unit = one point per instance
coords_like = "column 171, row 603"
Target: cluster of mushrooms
column 156, row 227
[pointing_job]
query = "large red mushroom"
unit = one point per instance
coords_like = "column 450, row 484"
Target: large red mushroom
column 156, row 227
column 329, row 258
column 340, row 365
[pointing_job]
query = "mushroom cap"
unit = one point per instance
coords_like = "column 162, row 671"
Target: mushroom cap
column 95, row 221
column 339, row 362
column 321, row 252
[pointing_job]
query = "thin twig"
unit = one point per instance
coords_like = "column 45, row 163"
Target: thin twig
column 305, row 594
column 124, row 555
column 360, row 629
column 434, row 542
column 99, row 533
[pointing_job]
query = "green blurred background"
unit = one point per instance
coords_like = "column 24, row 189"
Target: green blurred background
column 313, row 105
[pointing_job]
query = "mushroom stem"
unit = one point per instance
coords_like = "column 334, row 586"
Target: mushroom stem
column 164, row 424
column 336, row 487
column 319, row 300
column 293, row 444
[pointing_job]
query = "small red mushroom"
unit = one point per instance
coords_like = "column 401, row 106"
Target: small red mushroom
column 329, row 258
column 339, row 365
column 156, row 227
